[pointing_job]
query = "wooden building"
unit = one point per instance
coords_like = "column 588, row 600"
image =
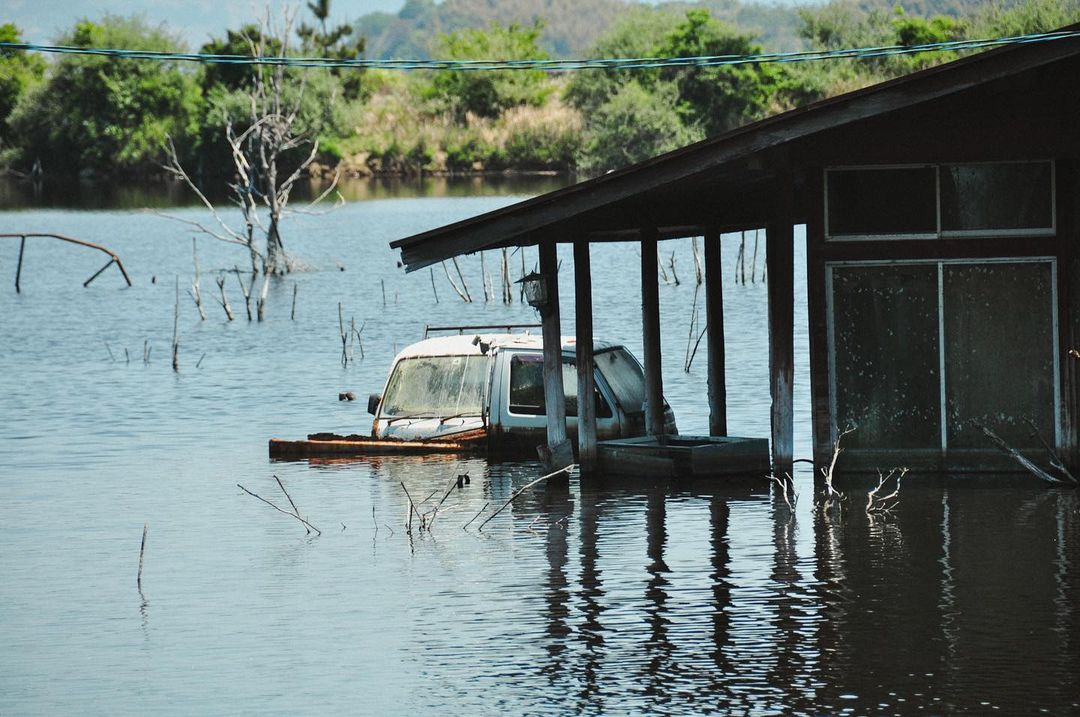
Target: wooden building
column 942, row 213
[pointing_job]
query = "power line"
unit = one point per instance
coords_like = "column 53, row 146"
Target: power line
column 615, row 63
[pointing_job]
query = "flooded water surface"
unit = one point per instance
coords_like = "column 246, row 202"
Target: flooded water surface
column 591, row 599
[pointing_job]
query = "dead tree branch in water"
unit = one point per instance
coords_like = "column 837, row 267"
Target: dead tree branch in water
column 1055, row 460
column 285, row 512
column 524, row 488
column 344, row 336
column 272, row 139
column 876, row 503
column 142, row 550
column 698, row 273
column 464, row 286
column 463, row 295
column 690, row 332
column 224, row 301
column 260, row 305
column 412, row 511
column 296, row 511
column 175, row 331
column 196, row 291
column 245, row 290
column 787, row 487
column 833, row 497
column 1029, row 465
column 113, row 258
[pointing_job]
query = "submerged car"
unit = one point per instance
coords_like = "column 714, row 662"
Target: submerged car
column 485, row 392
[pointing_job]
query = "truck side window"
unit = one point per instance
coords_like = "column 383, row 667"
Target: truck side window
column 624, row 375
column 527, row 387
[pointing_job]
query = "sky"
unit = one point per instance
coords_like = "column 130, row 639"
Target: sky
column 195, row 21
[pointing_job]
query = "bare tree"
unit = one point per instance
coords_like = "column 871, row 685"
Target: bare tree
column 263, row 153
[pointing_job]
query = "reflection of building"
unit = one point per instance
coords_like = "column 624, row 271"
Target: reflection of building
column 942, row 212
column 911, row 613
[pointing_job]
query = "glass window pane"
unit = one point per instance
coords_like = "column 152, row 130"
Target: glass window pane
column 882, row 201
column 999, row 353
column 437, row 386
column 885, row 328
column 996, row 196
column 624, row 375
column 527, row 387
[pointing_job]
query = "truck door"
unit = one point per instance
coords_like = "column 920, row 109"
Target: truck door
column 523, row 415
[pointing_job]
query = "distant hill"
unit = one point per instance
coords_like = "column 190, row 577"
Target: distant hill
column 571, row 27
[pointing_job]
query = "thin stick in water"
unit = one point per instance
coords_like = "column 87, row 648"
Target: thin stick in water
column 524, row 488
column 295, row 289
column 412, row 507
column 464, row 286
column 285, row 512
column 175, row 330
column 142, row 551
column 476, row 516
column 296, row 511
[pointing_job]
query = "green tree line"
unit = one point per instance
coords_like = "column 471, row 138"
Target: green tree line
column 107, row 117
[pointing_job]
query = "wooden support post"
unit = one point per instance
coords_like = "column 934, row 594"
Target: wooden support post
column 650, row 320
column 558, row 452
column 780, row 256
column 586, row 381
column 18, row 270
column 714, row 317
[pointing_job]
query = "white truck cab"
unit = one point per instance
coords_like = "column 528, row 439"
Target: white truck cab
column 451, row 385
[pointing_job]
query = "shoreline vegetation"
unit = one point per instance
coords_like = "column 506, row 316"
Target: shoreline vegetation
column 105, row 118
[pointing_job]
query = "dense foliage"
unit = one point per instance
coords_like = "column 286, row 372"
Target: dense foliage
column 95, row 114
column 103, row 115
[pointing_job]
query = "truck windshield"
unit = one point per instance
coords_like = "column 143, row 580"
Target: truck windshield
column 436, row 386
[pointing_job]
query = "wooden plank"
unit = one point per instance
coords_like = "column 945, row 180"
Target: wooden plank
column 586, row 381
column 714, row 317
column 780, row 255
column 557, row 453
column 650, row 322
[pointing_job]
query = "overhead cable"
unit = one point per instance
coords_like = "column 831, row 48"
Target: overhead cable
column 551, row 65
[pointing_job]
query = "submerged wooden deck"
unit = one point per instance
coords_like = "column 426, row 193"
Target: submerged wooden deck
column 685, row 457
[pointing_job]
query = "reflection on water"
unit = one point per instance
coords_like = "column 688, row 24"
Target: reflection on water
column 163, row 192
column 578, row 599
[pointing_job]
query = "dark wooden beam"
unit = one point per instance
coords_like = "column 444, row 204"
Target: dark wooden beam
column 1068, row 222
column 817, row 309
column 714, row 317
column 557, row 453
column 586, row 382
column 650, row 322
column 780, row 255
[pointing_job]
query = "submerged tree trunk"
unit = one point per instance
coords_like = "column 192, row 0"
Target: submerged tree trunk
column 276, row 260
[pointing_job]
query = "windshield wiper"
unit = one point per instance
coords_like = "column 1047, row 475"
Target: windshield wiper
column 444, row 419
column 406, row 418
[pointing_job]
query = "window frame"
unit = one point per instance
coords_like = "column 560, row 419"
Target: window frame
column 598, row 381
column 830, row 328
column 940, row 233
